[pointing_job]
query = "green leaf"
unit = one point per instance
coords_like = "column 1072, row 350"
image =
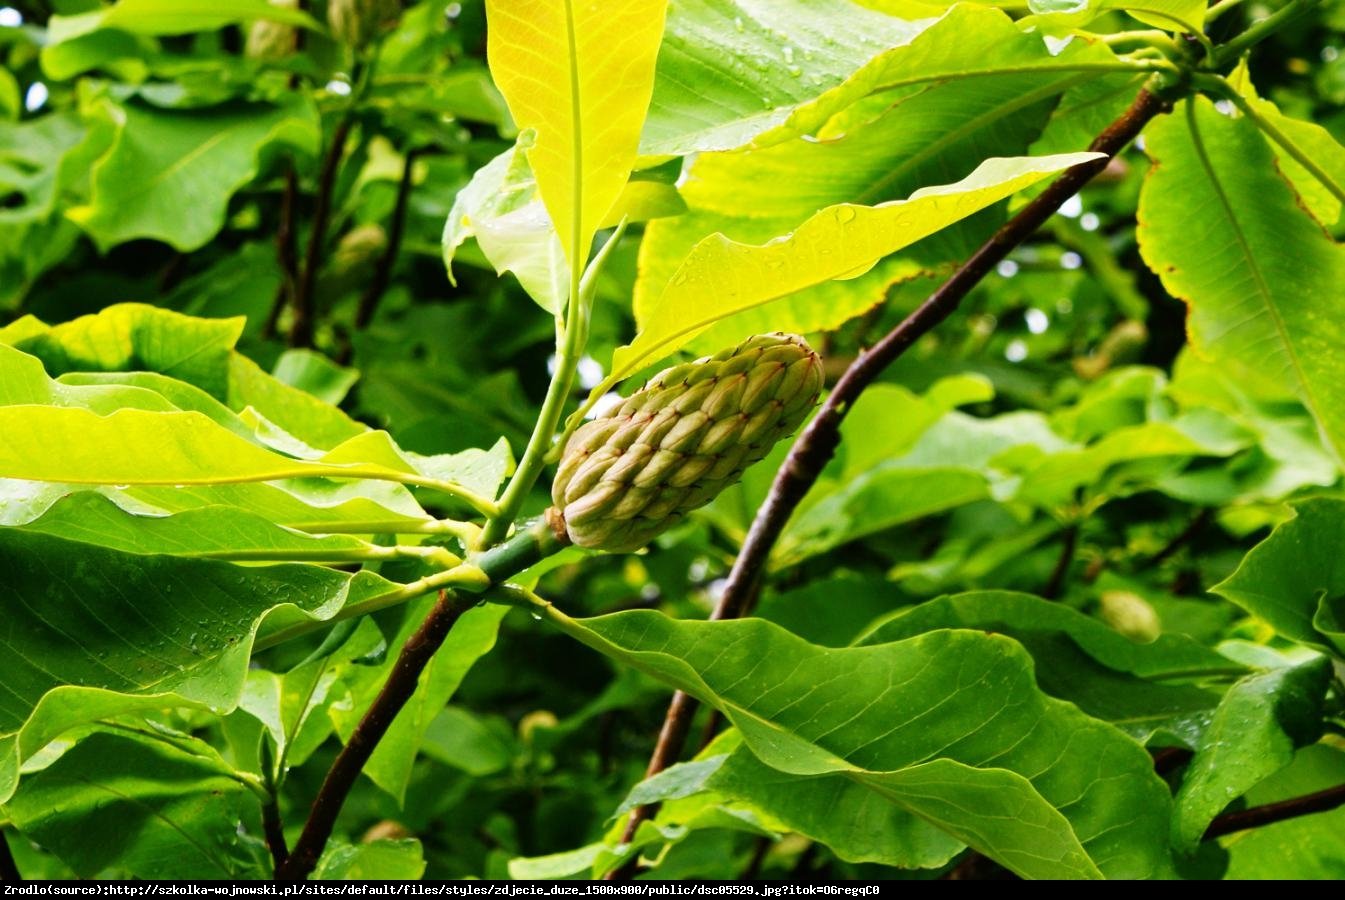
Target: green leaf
column 1320, row 190
column 1079, row 659
column 135, row 337
column 501, row 208
column 471, row 638
column 1259, row 275
column 880, row 149
column 477, row 745
column 968, row 42
column 1291, row 454
column 1292, row 576
column 730, row 70
column 1307, row 847
column 178, row 357
column 1171, row 15
column 1022, row 615
column 193, row 449
column 721, row 276
column 1077, row 799
column 170, row 174
column 1257, row 727
column 579, row 75
column 832, row 611
column 293, row 706
column 873, row 502
column 95, row 632
column 173, row 17
column 842, row 813
column 315, row 374
column 382, row 860
column 1052, row 480
column 134, row 804
column 212, row 532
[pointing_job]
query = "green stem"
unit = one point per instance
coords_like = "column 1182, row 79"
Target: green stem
column 464, row 531
column 1152, row 38
column 1221, row 86
column 1218, row 9
column 1230, row 52
column 438, row 556
column 527, row 547
column 483, row 505
column 570, row 340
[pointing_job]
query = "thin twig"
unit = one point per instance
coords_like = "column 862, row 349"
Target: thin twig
column 274, row 831
column 401, row 684
column 1196, row 525
column 301, row 329
column 9, row 870
column 1169, row 759
column 1069, row 542
column 818, row 442
column 286, row 251
column 760, row 848
column 364, row 313
column 1259, row 816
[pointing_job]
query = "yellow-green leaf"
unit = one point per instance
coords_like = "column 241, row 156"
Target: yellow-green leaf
column 721, row 277
column 580, row 75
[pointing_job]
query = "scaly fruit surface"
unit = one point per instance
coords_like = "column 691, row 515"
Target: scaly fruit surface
column 357, row 22
column 672, row 446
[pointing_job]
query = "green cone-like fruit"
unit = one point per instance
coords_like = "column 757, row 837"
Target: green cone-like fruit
column 676, row 443
column 269, row 40
column 357, row 22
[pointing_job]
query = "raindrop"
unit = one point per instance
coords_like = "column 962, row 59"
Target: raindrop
column 738, row 24
column 36, row 96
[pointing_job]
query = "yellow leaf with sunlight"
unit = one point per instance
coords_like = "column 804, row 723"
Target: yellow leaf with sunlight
column 580, row 74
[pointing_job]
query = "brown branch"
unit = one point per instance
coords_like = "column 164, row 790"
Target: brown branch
column 364, row 313
column 9, row 870
column 1258, row 816
column 1196, row 525
column 301, row 329
column 1069, row 542
column 401, row 684
column 819, row 439
column 286, row 251
column 274, row 831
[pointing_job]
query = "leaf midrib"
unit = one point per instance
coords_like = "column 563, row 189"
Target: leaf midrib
column 1263, row 287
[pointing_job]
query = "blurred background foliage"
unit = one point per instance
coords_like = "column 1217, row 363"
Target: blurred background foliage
column 1057, row 436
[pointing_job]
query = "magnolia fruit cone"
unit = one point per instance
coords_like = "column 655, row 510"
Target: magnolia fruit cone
column 672, row 446
column 269, row 40
column 357, row 22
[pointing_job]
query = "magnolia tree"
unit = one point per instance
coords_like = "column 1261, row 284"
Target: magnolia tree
column 886, row 440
